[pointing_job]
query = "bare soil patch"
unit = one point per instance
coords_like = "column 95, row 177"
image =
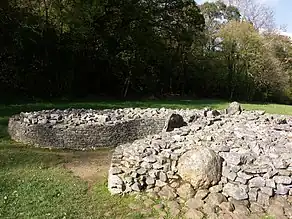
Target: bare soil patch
column 90, row 166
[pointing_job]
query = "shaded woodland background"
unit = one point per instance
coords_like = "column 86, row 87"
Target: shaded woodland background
column 142, row 48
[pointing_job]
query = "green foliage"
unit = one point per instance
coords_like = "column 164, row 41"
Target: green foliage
column 135, row 48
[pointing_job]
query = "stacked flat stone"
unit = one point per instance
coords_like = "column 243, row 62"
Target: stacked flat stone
column 255, row 151
column 84, row 129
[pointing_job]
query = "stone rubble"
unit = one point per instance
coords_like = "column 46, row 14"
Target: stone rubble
column 230, row 163
column 255, row 151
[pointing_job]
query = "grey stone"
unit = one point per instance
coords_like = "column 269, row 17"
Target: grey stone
column 241, row 180
column 136, row 187
column 244, row 175
column 141, row 171
column 115, row 184
column 232, row 158
column 216, row 188
column 270, row 183
column 162, row 176
column 281, row 189
column 256, row 208
column 263, row 199
column 238, row 192
column 234, row 108
column 150, row 180
column 253, row 194
column 257, row 182
column 200, row 167
column 280, row 164
column 226, row 172
column 286, row 180
column 270, row 174
column 115, row 170
column 267, row 190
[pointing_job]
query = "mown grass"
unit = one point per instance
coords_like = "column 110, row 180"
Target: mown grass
column 33, row 183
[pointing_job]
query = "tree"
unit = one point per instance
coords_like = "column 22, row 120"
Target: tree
column 251, row 62
column 259, row 14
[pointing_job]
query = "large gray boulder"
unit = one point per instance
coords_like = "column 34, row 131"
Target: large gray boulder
column 201, row 167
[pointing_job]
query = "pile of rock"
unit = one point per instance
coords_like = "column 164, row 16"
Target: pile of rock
column 238, row 155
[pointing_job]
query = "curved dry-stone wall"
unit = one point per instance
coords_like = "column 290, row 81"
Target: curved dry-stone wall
column 251, row 150
column 85, row 129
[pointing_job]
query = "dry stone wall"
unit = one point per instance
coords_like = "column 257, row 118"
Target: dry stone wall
column 250, row 150
column 85, row 129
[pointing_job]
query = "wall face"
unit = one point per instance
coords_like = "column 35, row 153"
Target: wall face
column 83, row 136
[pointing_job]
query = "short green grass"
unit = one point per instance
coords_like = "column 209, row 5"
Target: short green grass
column 33, row 183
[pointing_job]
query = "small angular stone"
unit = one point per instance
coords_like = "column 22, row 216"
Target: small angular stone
column 136, row 187
column 150, row 181
column 162, row 176
column 216, row 188
column 286, row 180
column 280, row 164
column 270, row 183
column 253, row 194
column 244, row 175
column 263, row 199
column 267, row 190
column 257, row 182
column 256, row 208
column 141, row 171
column 238, row 192
column 281, row 189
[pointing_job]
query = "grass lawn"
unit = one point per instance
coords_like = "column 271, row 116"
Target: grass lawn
column 35, row 184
